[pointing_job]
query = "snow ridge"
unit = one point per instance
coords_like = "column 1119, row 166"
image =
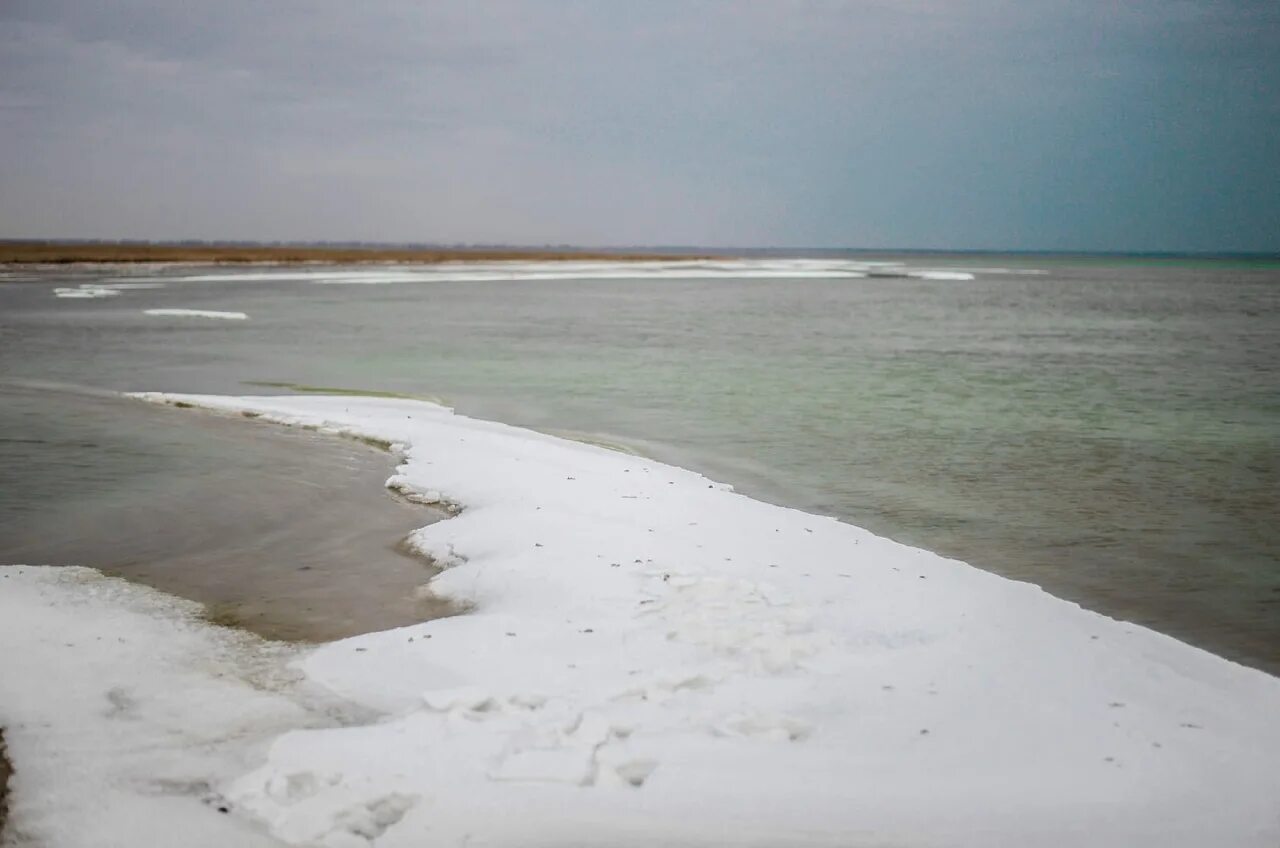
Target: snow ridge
column 649, row 657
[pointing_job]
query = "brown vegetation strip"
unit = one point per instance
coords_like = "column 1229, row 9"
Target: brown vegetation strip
column 44, row 252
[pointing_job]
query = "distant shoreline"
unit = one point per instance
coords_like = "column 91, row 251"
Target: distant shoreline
column 69, row 253
column 88, row 251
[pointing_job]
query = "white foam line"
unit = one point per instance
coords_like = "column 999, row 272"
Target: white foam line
column 940, row 275
column 653, row 658
column 540, row 271
column 594, row 275
column 1031, row 272
column 195, row 313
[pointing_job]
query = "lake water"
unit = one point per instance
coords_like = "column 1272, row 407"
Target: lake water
column 1106, row 428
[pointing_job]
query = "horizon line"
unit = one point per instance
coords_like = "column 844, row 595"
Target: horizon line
column 359, row 244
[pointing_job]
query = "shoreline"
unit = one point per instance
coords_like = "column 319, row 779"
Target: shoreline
column 651, row 656
column 285, row 533
column 35, row 253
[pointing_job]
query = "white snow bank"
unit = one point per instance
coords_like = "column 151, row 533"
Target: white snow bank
column 196, row 313
column 654, row 659
column 123, row 713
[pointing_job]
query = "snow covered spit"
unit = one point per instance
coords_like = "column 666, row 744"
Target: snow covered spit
column 648, row 658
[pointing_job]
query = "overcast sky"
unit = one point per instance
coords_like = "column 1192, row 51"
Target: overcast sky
column 1077, row 124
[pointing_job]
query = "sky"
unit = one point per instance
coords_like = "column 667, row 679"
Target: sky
column 950, row 124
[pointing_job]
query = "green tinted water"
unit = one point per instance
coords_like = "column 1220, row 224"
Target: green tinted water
column 1108, row 429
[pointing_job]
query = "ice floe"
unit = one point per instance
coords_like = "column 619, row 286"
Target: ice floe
column 940, row 275
column 101, row 289
column 86, row 292
column 129, row 286
column 196, row 313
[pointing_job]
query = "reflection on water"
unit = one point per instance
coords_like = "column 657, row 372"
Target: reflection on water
column 1107, row 429
column 287, row 533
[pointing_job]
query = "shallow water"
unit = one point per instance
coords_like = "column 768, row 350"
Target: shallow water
column 285, row 532
column 1107, row 429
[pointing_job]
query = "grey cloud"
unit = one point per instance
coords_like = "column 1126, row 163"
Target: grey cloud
column 970, row 123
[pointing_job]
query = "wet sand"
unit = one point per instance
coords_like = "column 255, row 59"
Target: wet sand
column 286, row 533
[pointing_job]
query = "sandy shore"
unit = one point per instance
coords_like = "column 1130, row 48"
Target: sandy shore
column 42, row 252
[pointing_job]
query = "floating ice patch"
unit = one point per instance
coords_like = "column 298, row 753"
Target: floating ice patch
column 1025, row 272
column 86, row 292
column 940, row 275
column 196, row 313
column 131, row 286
